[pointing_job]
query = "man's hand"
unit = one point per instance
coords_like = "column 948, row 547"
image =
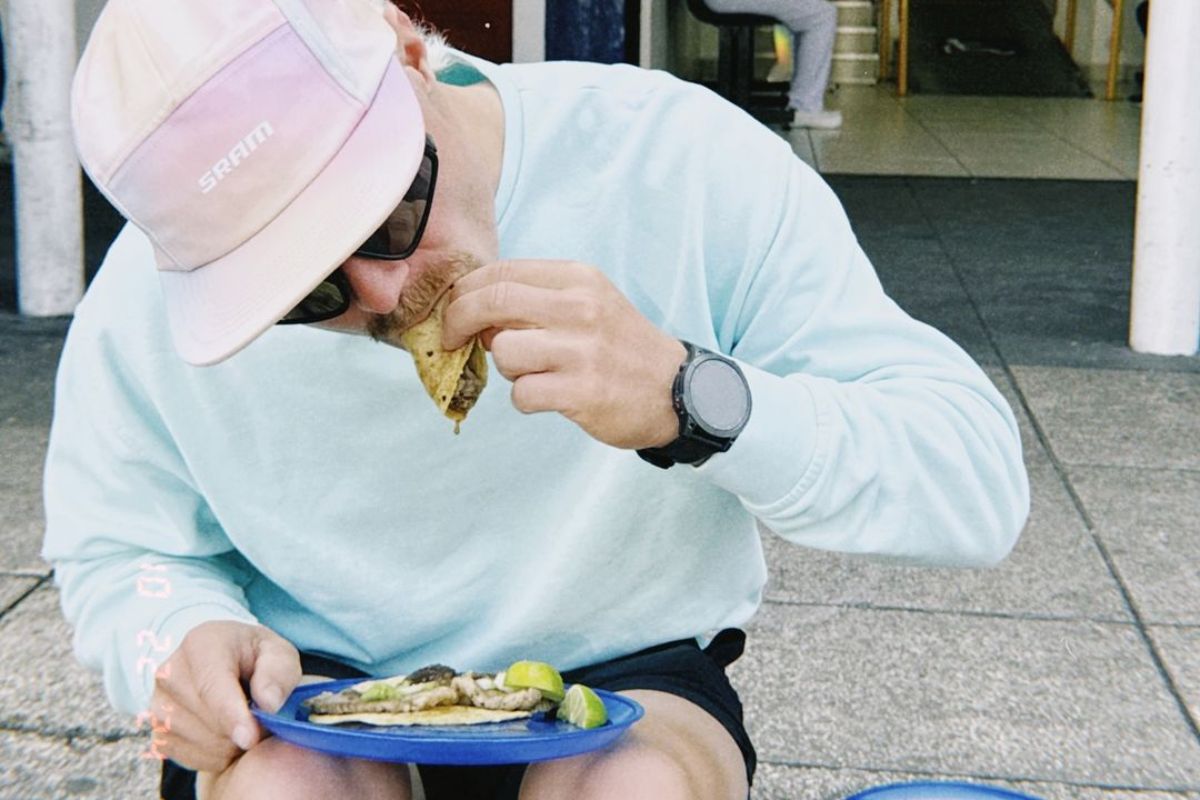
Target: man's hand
column 571, row 342
column 198, row 693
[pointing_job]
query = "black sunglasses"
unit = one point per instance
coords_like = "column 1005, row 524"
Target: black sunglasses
column 395, row 239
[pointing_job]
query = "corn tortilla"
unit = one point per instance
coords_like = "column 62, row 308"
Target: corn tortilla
column 453, row 378
column 439, row 715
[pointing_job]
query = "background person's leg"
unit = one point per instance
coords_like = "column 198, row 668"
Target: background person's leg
column 814, row 23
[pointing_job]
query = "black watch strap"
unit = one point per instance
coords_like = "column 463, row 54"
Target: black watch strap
column 694, row 445
column 680, row 451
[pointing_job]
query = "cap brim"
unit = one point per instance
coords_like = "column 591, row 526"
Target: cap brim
column 219, row 308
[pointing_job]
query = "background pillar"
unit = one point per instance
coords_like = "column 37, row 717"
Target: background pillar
column 39, row 39
column 1165, row 304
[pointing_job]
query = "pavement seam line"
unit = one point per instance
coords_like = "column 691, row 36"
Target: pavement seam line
column 1139, row 621
column 953, row 612
column 70, row 735
column 921, row 124
column 11, row 606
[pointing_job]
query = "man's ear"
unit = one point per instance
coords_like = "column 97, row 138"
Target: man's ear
column 410, row 47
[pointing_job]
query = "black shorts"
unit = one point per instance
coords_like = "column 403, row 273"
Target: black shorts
column 679, row 668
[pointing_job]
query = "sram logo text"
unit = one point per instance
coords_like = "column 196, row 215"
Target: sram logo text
column 240, row 152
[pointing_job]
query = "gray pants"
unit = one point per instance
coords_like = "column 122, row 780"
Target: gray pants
column 813, row 24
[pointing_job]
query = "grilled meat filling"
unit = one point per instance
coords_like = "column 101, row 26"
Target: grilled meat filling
column 470, row 386
column 428, row 687
column 345, row 703
column 515, row 700
column 434, row 672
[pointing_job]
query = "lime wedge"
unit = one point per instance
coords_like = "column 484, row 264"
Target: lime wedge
column 582, row 707
column 535, row 675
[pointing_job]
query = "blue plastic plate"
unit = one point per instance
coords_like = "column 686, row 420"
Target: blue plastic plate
column 939, row 790
column 512, row 742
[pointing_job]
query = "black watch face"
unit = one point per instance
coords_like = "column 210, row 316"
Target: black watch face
column 719, row 400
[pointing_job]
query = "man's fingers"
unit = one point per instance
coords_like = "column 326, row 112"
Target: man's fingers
column 533, row 272
column 186, row 739
column 276, row 672
column 496, row 305
column 219, row 690
column 218, row 674
column 543, row 391
column 520, row 352
column 522, row 294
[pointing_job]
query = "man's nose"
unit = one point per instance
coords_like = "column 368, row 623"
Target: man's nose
column 376, row 282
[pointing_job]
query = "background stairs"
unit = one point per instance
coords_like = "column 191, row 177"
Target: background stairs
column 856, row 48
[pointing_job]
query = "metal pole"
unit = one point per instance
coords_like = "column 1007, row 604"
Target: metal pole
column 902, row 67
column 1069, row 33
column 1114, row 48
column 1165, row 304
column 39, row 39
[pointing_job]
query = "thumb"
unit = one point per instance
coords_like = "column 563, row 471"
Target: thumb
column 276, row 671
column 221, row 680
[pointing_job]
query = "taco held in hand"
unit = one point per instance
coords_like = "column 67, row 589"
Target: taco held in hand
column 453, row 378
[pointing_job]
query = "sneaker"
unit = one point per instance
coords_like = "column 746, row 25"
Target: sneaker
column 827, row 120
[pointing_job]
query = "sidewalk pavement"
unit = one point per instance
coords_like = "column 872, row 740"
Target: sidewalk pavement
column 1071, row 671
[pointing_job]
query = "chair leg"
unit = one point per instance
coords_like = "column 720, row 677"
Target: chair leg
column 744, row 69
column 727, row 64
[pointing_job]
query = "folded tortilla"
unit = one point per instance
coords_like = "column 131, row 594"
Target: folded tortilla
column 453, row 378
column 439, row 715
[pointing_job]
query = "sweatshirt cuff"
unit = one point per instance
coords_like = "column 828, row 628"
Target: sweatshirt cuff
column 169, row 633
column 772, row 456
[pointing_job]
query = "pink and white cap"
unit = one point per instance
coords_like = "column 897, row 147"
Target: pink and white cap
column 256, row 142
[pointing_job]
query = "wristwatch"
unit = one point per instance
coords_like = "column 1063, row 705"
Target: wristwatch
column 712, row 401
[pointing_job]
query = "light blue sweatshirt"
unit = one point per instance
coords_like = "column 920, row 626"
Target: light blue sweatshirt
column 308, row 483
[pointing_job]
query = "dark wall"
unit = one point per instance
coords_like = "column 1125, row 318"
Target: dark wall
column 585, row 30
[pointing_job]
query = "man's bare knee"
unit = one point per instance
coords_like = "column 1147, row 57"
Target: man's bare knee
column 629, row 773
column 276, row 769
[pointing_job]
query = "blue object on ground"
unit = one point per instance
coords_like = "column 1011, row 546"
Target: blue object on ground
column 939, row 790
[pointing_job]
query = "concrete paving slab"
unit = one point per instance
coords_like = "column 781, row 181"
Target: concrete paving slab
column 22, row 520
column 1180, row 648
column 12, row 588
column 34, row 767
column 1032, row 448
column 29, row 352
column 1115, row 417
column 35, row 635
column 1055, row 571
column 1149, row 521
column 777, row 782
column 1015, row 699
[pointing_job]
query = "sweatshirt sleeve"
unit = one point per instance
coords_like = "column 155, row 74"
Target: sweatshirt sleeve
column 870, row 432
column 138, row 558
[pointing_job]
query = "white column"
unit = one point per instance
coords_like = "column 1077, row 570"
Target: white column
column 1165, row 305
column 39, row 43
column 529, row 30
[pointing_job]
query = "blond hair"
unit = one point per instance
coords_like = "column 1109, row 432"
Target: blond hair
column 441, row 54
